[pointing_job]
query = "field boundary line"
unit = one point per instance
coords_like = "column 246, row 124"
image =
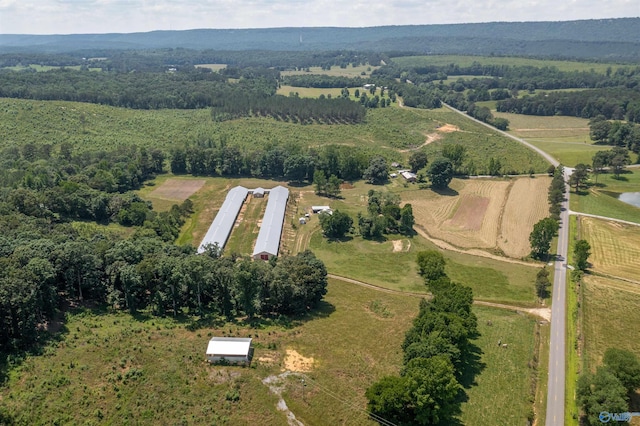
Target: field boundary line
column 443, row 245
column 595, row 216
column 544, row 313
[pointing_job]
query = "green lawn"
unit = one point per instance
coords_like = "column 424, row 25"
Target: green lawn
column 376, row 263
column 567, row 152
column 602, row 199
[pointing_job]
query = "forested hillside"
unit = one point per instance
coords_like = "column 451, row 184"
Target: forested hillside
column 614, row 39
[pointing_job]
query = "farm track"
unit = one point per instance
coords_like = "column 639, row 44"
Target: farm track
column 571, row 212
column 544, row 313
column 473, row 252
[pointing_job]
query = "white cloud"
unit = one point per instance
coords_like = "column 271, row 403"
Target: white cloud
column 101, row 16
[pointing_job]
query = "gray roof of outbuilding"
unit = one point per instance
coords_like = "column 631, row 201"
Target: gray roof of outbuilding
column 269, row 236
column 223, row 223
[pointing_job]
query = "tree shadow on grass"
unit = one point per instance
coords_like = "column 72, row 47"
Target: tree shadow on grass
column 470, row 367
column 447, row 192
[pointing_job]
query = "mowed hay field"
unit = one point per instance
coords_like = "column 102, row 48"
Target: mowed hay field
column 615, row 247
column 483, row 213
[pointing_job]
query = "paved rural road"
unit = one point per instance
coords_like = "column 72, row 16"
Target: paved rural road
column 557, row 345
column 557, row 350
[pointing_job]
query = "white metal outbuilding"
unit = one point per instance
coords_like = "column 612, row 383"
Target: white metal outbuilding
column 235, row 350
column 268, row 242
column 222, row 225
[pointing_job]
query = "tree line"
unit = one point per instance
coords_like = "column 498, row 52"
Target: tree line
column 438, row 354
column 616, row 103
column 216, row 157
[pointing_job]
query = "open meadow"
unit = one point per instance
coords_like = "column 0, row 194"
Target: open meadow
column 615, row 247
column 115, row 368
column 466, row 61
column 602, row 198
column 564, row 138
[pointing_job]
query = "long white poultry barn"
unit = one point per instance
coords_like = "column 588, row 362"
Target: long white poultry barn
column 223, row 223
column 268, row 242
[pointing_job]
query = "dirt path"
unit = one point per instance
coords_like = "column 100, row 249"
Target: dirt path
column 432, row 137
column 276, row 385
column 544, row 313
column 473, row 252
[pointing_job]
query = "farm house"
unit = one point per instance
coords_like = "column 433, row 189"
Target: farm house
column 221, row 226
column 235, row 350
column 268, row 241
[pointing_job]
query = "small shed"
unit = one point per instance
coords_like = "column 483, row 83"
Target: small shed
column 394, row 175
column 234, row 350
column 318, row 209
column 409, row 177
column 258, row 193
column 303, row 221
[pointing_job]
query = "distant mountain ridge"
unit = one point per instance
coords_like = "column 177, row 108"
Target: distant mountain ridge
column 598, row 38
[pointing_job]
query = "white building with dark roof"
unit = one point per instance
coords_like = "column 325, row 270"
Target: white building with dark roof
column 222, row 225
column 268, row 242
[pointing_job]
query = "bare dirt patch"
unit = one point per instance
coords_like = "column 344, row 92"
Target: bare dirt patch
column 448, row 128
column 177, row 189
column 346, row 185
column 293, row 361
column 397, row 246
column 527, row 204
column 470, row 213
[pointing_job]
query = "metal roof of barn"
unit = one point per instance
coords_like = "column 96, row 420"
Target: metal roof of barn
column 269, row 236
column 229, row 346
column 223, row 223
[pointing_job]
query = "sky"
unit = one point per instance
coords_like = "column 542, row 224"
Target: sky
column 126, row 16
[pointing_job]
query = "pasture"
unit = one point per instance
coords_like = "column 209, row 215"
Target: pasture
column 602, row 198
column 490, row 214
column 212, row 67
column 336, row 71
column 615, row 247
column 466, row 61
column 565, row 138
column 111, row 367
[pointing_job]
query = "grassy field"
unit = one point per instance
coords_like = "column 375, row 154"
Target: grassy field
column 245, row 232
column 114, row 368
column 311, row 92
column 615, row 247
column 465, row 61
column 337, row 71
column 602, row 199
column 212, row 67
column 565, row 138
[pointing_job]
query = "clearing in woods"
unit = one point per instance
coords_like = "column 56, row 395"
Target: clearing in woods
column 615, row 247
column 177, row 189
column 483, row 213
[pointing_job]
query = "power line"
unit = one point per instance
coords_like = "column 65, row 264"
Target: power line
column 376, row 417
